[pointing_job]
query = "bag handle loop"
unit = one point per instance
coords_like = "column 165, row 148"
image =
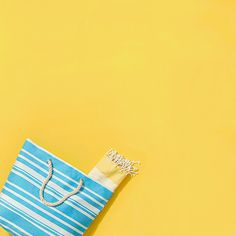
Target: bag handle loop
column 63, row 199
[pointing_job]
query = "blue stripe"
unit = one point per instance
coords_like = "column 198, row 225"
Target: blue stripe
column 32, row 190
column 16, row 217
column 23, row 187
column 9, row 230
column 32, row 208
column 68, row 169
column 58, row 183
column 71, row 183
column 65, row 208
column 53, row 191
column 47, row 209
column 10, row 226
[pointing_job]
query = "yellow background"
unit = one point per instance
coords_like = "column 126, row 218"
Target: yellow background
column 153, row 79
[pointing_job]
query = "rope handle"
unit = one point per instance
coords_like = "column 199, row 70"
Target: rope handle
column 63, row 199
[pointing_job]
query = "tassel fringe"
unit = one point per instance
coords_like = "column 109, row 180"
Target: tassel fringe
column 126, row 166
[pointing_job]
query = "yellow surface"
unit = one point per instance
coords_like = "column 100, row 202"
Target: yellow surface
column 153, row 79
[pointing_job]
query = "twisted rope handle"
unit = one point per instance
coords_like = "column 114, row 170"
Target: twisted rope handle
column 41, row 193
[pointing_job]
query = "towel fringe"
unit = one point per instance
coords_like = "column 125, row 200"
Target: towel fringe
column 126, row 166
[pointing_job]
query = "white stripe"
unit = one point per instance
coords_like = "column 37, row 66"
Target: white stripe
column 9, row 229
column 54, row 209
column 56, row 187
column 51, row 193
column 52, row 190
column 44, row 211
column 62, row 160
column 14, row 225
column 30, row 214
column 72, row 180
column 27, row 174
column 36, row 216
column 95, row 173
column 49, row 190
column 70, row 202
column 60, row 180
column 30, row 221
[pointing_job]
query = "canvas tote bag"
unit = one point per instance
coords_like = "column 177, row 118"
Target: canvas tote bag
column 44, row 195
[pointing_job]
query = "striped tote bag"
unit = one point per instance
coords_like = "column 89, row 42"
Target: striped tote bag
column 44, row 195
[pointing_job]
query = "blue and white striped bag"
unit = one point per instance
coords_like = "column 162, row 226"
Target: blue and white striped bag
column 44, row 195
